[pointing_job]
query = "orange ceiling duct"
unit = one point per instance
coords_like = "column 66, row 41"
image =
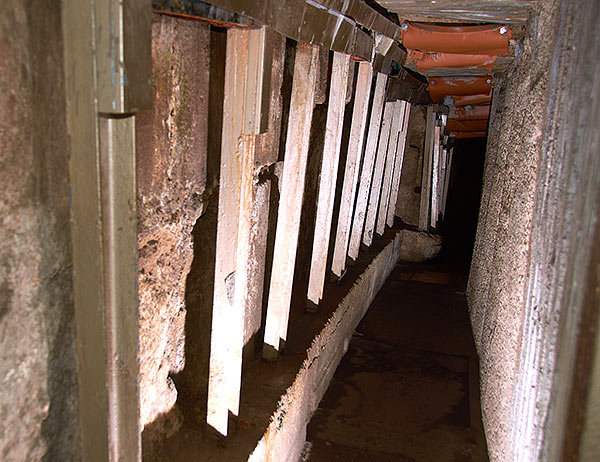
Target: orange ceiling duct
column 463, row 100
column 432, row 60
column 463, row 135
column 442, row 86
column 490, row 39
column 474, row 113
column 455, row 125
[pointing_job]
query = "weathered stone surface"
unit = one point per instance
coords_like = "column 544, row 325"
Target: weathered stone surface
column 419, row 246
column 500, row 265
column 171, row 173
column 409, row 196
column 38, row 401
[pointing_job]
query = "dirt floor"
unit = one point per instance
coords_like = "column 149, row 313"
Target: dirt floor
column 407, row 390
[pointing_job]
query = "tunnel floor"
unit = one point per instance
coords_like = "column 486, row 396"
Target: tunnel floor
column 407, row 390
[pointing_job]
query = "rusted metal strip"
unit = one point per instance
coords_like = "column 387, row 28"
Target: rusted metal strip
column 460, row 86
column 478, row 125
column 472, row 113
column 483, row 98
column 492, row 39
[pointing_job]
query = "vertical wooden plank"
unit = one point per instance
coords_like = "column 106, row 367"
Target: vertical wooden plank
column 290, row 201
column 119, row 221
column 378, row 173
column 435, row 177
column 397, row 122
column 226, row 325
column 442, row 180
column 367, row 166
column 447, row 180
column 103, row 216
column 86, row 221
column 426, row 172
column 398, row 167
column 258, row 97
column 329, row 169
column 355, row 145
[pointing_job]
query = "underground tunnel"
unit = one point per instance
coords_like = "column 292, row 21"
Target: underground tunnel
column 300, row 230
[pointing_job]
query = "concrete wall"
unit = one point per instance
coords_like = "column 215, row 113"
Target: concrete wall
column 38, row 398
column 171, row 175
column 533, row 216
column 409, row 195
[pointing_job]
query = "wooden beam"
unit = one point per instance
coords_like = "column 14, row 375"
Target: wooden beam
column 309, row 22
column 367, row 166
column 377, row 180
column 435, row 172
column 447, row 180
column 355, row 147
column 384, row 202
column 329, row 168
column 290, row 203
column 426, row 170
column 398, row 166
column 104, row 219
column 494, row 11
column 227, row 322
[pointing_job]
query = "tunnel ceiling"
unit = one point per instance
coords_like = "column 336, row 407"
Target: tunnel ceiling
column 461, row 11
column 459, row 46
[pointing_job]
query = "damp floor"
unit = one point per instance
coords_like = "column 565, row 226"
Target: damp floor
column 407, row 390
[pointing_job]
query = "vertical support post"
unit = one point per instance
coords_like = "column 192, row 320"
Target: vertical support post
column 367, row 166
column 355, row 147
column 119, row 221
column 226, row 325
column 447, row 180
column 398, row 167
column 442, row 180
column 378, row 173
column 435, row 177
column 329, row 168
column 106, row 72
column 426, row 172
column 384, row 201
column 290, row 201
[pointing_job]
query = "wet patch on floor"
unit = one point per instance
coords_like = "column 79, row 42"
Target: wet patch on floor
column 403, row 390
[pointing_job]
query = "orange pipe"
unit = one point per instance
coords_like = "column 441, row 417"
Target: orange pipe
column 442, row 86
column 476, row 113
column 455, row 125
column 463, row 100
column 483, row 40
column 425, row 61
column 463, row 135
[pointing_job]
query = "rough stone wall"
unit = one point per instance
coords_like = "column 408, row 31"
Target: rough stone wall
column 38, row 401
column 409, row 196
column 499, row 271
column 171, row 175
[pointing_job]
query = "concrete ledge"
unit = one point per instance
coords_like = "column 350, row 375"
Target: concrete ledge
column 284, row 438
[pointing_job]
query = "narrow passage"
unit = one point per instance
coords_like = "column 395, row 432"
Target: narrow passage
column 407, row 389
